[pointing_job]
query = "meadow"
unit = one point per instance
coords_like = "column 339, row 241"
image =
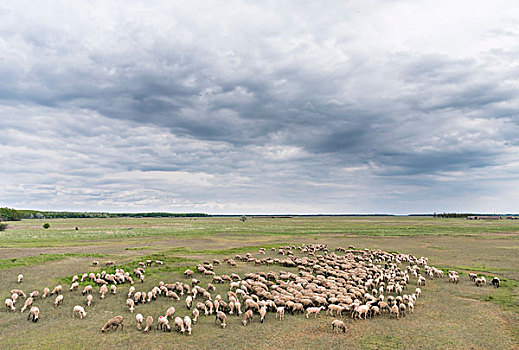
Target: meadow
column 447, row 316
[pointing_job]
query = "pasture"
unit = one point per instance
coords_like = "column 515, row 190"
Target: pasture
column 447, row 316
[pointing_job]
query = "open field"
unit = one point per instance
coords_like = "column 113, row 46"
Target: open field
column 448, row 316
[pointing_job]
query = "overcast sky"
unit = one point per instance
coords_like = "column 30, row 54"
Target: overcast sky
column 260, row 106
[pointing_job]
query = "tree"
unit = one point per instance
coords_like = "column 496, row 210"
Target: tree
column 46, row 225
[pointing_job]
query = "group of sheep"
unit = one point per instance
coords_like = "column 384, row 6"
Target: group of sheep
column 346, row 282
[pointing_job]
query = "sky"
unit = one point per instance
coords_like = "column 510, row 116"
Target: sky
column 247, row 107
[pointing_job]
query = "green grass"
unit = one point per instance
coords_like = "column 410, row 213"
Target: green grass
column 448, row 316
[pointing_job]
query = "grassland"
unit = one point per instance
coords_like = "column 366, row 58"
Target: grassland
column 449, row 316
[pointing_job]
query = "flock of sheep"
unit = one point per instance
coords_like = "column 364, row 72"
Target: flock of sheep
column 346, row 282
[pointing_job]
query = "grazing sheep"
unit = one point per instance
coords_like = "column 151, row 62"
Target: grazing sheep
column 103, row 290
column 263, row 313
column 75, row 278
column 79, row 310
column 74, row 286
column 481, row 281
column 139, row 318
column 189, row 302
column 113, row 324
column 170, row 312
column 281, row 312
column 35, row 313
column 28, row 302
column 338, row 326
column 187, row 324
column 20, row 278
column 58, row 300
column 247, row 318
column 9, row 304
column 131, row 304
column 34, row 294
column 179, row 325
column 496, row 282
column 314, row 310
column 89, row 299
column 149, row 323
column 113, row 289
column 220, row 316
column 46, row 292
column 209, row 307
column 131, row 291
column 19, row 292
column 57, row 290
column 95, row 263
column 395, row 312
column 473, row 277
column 196, row 314
column 163, row 323
column 87, row 289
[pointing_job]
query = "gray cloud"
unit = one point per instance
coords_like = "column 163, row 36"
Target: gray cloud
column 239, row 107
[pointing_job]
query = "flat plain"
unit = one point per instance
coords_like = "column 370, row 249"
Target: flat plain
column 447, row 316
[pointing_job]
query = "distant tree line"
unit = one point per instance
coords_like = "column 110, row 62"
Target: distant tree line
column 458, row 215
column 9, row 214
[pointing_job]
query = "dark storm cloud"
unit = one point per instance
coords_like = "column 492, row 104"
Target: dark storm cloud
column 158, row 105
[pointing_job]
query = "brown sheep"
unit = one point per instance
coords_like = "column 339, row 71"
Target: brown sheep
column 113, row 324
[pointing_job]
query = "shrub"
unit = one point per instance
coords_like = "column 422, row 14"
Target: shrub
column 46, row 225
column 3, row 227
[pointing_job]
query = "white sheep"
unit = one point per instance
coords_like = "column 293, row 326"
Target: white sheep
column 163, row 323
column 20, row 278
column 140, row 319
column 189, row 302
column 9, row 304
column 131, row 291
column 131, row 304
column 187, row 324
column 57, row 290
column 247, row 317
column 87, row 289
column 58, row 300
column 170, row 312
column 220, row 316
column 149, row 323
column 78, row 309
column 314, row 310
column 28, row 302
column 281, row 312
column 113, row 289
column 263, row 313
column 196, row 314
column 179, row 325
column 89, row 299
column 46, row 292
column 35, row 313
column 338, row 326
column 74, row 286
column 103, row 290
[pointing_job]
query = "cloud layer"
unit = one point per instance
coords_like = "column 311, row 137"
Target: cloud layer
column 236, row 107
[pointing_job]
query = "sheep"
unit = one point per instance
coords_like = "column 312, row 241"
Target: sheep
column 335, row 308
column 496, row 282
column 418, row 291
column 19, row 292
column 113, row 289
column 179, row 325
column 314, row 310
column 74, row 286
column 196, row 314
column 75, row 278
column 103, row 290
column 395, row 312
column 131, row 304
column 89, row 299
column 46, row 292
column 113, row 324
column 473, row 277
column 87, row 290
column 139, row 318
column 95, row 263
column 58, row 300
column 170, row 312
column 209, row 307
column 163, row 323
column 247, row 318
column 34, row 294
column 338, row 326
column 20, row 278
column 189, row 302
column 187, row 324
column 149, row 323
column 79, row 310
column 360, row 310
column 281, row 312
column 263, row 313
column 481, row 281
column 9, row 304
column 57, row 290
column 35, row 313
column 131, row 291
column 220, row 316
column 28, row 302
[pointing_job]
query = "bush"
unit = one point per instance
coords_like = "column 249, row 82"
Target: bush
column 3, row 227
column 46, row 225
